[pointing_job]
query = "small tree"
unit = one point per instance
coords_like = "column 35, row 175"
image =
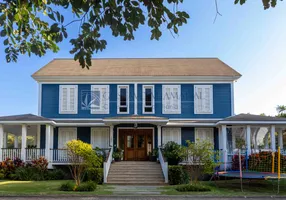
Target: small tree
column 202, row 158
column 81, row 156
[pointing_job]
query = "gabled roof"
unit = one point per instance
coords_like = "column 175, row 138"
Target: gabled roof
column 252, row 119
column 125, row 67
column 26, row 118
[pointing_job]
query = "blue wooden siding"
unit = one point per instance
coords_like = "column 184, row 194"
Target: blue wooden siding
column 187, row 133
column 83, row 134
column 221, row 102
column 216, row 139
column 50, row 102
column 43, row 137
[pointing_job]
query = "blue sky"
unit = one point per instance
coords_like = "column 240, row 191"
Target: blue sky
column 247, row 38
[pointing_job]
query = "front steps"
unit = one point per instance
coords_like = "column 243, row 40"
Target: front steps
column 135, row 173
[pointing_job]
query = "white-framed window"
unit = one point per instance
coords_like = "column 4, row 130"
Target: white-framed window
column 99, row 99
column 122, row 99
column 99, row 137
column 148, row 99
column 204, row 134
column 171, row 98
column 203, row 98
column 171, row 134
column 66, row 135
column 68, row 99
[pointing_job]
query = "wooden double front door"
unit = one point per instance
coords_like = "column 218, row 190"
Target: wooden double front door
column 136, row 143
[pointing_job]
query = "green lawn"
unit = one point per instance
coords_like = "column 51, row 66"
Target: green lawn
column 44, row 188
column 232, row 188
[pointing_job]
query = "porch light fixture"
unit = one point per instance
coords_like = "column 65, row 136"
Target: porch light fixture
column 135, row 125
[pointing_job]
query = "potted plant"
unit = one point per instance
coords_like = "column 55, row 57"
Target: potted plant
column 153, row 155
column 117, row 154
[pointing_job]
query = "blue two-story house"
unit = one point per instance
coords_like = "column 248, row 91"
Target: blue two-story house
column 133, row 104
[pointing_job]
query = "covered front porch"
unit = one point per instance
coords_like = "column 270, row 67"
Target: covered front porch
column 251, row 134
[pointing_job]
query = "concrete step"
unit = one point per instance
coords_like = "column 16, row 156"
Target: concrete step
column 136, row 183
column 159, row 173
column 138, row 176
column 135, row 168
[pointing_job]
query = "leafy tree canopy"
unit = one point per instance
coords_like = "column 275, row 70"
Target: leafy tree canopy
column 37, row 26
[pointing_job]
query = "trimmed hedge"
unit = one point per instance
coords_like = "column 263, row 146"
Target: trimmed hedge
column 68, row 186
column 83, row 187
column 95, row 175
column 192, row 188
column 178, row 175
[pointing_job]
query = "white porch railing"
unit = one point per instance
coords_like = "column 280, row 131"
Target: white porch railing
column 60, row 156
column 11, row 153
column 106, row 165
column 164, row 165
column 34, row 153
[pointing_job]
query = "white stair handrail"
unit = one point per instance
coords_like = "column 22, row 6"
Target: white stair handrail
column 164, row 165
column 106, row 165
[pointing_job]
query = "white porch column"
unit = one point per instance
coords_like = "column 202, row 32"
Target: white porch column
column 16, row 142
column 159, row 128
column 272, row 135
column 233, row 141
column 48, row 140
column 280, row 138
column 24, row 142
column 248, row 139
column 5, row 140
column 1, row 140
column 111, row 135
column 224, row 137
column 135, row 99
column 38, row 136
column 266, row 145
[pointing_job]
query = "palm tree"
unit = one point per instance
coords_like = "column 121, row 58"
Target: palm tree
column 281, row 109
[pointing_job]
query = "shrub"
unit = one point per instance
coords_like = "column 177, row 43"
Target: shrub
column 177, row 175
column 8, row 166
column 192, row 188
column 68, row 186
column 95, row 175
column 2, row 176
column 28, row 174
column 86, row 186
column 174, row 153
column 55, row 174
column 40, row 163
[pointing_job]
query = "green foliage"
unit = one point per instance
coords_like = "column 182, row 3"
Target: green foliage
column 81, row 156
column 240, row 143
column 55, row 174
column 8, row 166
column 177, row 175
column 86, row 187
column 28, row 174
column 95, row 175
column 2, row 176
column 192, row 188
column 117, row 154
column 173, row 152
column 266, row 3
column 68, row 186
column 35, row 27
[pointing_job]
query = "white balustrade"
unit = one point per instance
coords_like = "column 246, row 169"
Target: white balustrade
column 164, row 165
column 11, row 153
column 106, row 165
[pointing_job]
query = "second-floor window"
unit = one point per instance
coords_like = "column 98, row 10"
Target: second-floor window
column 122, row 99
column 203, row 99
column 171, row 98
column 99, row 99
column 148, row 99
column 68, row 99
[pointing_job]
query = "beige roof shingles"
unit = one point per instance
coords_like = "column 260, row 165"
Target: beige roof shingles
column 139, row 67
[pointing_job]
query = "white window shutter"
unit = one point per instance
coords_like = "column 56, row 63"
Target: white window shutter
column 100, row 137
column 204, row 134
column 171, row 134
column 171, row 99
column 99, row 99
column 65, row 135
column 68, row 99
column 203, row 99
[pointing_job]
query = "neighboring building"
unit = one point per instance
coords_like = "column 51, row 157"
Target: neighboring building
column 134, row 104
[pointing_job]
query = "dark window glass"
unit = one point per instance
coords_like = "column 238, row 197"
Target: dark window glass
column 148, row 97
column 123, row 93
column 148, row 109
column 141, row 141
column 123, row 109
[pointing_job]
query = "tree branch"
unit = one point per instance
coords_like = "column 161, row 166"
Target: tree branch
column 217, row 11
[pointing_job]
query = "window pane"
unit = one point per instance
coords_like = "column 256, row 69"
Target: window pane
column 123, row 109
column 148, row 97
column 130, row 141
column 141, row 141
column 123, row 94
column 148, row 109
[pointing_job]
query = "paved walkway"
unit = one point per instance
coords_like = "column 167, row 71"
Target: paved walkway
column 135, row 190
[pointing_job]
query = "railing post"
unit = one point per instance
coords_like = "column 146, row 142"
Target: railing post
column 48, row 138
column 24, row 142
column 159, row 135
column 1, row 141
